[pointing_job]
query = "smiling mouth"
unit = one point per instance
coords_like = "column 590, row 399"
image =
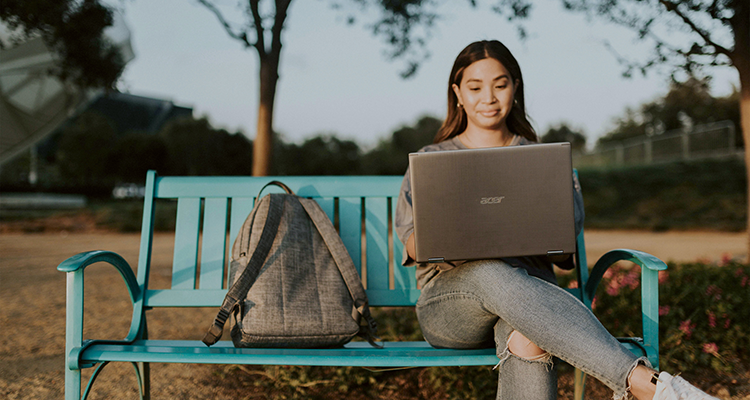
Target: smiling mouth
column 491, row 113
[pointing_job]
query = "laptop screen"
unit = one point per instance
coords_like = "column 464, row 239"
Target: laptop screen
column 491, row 203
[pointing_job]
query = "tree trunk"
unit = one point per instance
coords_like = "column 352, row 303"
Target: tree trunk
column 263, row 144
column 745, row 126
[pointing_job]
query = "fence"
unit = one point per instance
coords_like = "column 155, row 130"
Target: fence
column 703, row 141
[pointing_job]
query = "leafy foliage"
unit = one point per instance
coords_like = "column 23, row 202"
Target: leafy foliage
column 706, row 31
column 707, row 194
column 83, row 152
column 391, row 157
column 73, row 29
column 563, row 133
column 196, row 148
column 686, row 104
column 320, row 155
column 704, row 321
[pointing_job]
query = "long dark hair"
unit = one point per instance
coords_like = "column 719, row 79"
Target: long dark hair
column 455, row 120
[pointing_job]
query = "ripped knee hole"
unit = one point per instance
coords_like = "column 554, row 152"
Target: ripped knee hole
column 520, row 346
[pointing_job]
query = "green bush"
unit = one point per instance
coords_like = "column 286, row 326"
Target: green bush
column 704, row 320
column 708, row 194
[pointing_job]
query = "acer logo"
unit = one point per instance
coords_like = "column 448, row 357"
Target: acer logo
column 491, row 200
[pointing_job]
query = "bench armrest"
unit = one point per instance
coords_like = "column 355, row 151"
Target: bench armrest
column 650, row 267
column 74, row 267
column 82, row 260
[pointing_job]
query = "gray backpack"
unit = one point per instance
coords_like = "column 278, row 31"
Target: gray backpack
column 293, row 282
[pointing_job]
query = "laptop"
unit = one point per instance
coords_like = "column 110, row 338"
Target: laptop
column 491, row 203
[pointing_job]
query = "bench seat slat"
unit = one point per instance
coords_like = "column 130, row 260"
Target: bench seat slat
column 358, row 354
column 409, row 354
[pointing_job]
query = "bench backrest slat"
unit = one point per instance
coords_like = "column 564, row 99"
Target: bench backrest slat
column 350, row 228
column 403, row 278
column 186, row 243
column 376, row 232
column 214, row 243
column 327, row 205
column 241, row 207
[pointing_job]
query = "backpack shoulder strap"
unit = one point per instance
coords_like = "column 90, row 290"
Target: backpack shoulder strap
column 344, row 262
column 242, row 285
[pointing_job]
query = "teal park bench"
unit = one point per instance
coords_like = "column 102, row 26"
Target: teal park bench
column 358, row 204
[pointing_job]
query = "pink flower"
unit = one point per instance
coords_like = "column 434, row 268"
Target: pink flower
column 738, row 272
column 593, row 304
column 713, row 290
column 687, row 327
column 744, row 281
column 613, row 289
column 630, row 279
column 710, row 348
column 711, row 319
column 727, row 321
column 573, row 284
column 663, row 275
column 663, row 310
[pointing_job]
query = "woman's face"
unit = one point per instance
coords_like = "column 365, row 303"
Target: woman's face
column 486, row 93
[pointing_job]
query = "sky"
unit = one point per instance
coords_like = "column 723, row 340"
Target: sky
column 335, row 79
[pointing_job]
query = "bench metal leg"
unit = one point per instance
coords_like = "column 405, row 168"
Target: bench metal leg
column 144, row 376
column 580, row 384
column 72, row 384
column 144, row 368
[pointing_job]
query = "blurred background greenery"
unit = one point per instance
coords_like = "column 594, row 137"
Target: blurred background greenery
column 114, row 143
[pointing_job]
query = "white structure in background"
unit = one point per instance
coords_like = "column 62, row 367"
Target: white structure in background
column 34, row 103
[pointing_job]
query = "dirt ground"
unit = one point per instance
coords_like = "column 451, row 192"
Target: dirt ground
column 32, row 316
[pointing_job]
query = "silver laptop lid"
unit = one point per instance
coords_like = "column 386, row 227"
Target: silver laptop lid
column 490, row 203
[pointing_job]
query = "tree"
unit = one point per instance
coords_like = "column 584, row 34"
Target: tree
column 390, row 157
column 320, row 155
column 84, row 151
column 135, row 153
column 72, row 28
column 718, row 34
column 196, row 148
column 397, row 24
column 686, row 104
column 563, row 133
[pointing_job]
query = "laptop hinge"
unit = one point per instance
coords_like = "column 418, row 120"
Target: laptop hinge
column 555, row 252
column 436, row 260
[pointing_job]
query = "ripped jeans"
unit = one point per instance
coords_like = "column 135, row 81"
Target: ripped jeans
column 480, row 303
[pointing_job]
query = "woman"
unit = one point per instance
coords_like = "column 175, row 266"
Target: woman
column 514, row 303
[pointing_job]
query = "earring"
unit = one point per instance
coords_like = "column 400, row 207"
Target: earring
column 459, row 105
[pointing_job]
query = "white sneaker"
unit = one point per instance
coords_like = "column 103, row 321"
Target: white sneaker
column 670, row 387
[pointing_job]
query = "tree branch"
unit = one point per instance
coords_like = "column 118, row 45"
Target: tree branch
column 673, row 7
column 242, row 37
column 260, row 44
column 278, row 25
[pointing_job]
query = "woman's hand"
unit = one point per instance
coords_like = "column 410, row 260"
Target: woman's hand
column 411, row 248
